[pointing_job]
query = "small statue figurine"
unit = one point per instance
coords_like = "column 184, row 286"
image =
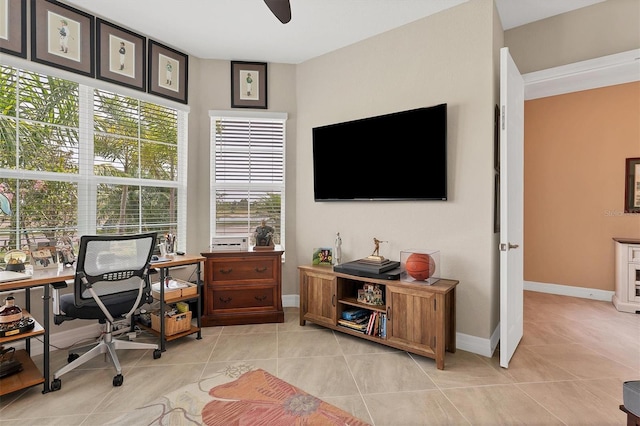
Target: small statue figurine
column 264, row 234
column 337, row 256
column 376, row 251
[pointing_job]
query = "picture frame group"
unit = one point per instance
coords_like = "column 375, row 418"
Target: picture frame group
column 67, row 38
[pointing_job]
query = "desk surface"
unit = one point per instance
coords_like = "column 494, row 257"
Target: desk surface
column 49, row 276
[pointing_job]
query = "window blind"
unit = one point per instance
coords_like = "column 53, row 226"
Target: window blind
column 248, row 173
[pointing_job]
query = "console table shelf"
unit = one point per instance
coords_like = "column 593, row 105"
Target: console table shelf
column 420, row 318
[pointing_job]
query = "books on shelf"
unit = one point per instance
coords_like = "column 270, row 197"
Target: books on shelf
column 352, row 314
column 353, row 325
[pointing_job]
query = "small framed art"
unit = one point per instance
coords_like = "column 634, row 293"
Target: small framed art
column 632, row 186
column 168, row 72
column 44, row 258
column 62, row 37
column 121, row 56
column 322, row 256
column 248, row 84
column 13, row 27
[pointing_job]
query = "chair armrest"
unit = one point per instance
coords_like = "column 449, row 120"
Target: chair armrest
column 56, row 296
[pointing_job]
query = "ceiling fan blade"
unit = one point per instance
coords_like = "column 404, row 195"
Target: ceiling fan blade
column 280, row 8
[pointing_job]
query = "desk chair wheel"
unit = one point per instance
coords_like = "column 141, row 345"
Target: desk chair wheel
column 157, row 354
column 56, row 384
column 72, row 357
column 118, row 379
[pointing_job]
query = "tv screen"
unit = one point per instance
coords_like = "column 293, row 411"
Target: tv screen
column 397, row 156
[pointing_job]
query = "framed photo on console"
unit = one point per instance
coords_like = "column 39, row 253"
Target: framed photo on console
column 13, row 27
column 168, row 72
column 121, row 56
column 248, row 84
column 62, row 37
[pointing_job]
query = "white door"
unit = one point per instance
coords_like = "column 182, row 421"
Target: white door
column 511, row 206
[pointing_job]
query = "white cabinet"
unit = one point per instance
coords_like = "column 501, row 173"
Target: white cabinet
column 627, row 296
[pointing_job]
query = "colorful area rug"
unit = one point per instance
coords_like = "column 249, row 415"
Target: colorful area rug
column 240, row 395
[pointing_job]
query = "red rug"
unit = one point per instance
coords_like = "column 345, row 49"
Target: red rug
column 259, row 398
column 240, row 395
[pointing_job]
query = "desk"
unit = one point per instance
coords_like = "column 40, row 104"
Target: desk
column 163, row 268
column 30, row 376
column 44, row 278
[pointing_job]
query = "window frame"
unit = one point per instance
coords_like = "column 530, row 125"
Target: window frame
column 88, row 183
column 249, row 116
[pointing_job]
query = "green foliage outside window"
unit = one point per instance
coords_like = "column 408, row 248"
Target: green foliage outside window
column 65, row 170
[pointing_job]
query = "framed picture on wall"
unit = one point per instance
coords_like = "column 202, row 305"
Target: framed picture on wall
column 248, row 84
column 632, row 186
column 62, row 37
column 121, row 56
column 13, row 27
column 168, row 72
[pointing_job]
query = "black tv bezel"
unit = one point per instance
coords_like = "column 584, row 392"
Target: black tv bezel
column 442, row 107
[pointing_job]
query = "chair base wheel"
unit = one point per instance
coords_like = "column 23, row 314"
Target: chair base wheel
column 117, row 380
column 157, row 353
column 56, row 384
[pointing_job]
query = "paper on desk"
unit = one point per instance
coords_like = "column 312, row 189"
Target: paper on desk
column 171, row 285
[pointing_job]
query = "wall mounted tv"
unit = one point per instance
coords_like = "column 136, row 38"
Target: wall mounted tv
column 397, row 156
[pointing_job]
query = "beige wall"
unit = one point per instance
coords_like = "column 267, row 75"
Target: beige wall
column 609, row 27
column 575, row 150
column 448, row 58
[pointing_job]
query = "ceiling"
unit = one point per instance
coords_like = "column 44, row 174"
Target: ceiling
column 246, row 30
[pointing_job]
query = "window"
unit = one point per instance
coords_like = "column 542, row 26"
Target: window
column 81, row 160
column 247, row 176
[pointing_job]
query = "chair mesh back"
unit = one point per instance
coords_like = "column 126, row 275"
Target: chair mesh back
column 113, row 264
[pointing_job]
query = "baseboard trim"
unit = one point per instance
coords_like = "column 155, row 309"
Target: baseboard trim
column 567, row 290
column 478, row 345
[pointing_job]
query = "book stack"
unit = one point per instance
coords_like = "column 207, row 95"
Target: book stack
column 355, row 319
column 377, row 324
column 359, row 324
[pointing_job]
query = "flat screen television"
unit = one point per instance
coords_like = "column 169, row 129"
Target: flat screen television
column 397, row 156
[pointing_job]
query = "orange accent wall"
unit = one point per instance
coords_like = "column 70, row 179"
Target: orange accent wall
column 575, row 146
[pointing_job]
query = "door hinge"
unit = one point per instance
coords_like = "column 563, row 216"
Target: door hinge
column 502, row 117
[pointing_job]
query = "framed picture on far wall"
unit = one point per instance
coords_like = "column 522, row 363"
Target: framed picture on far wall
column 121, row 56
column 62, row 37
column 168, row 72
column 13, row 27
column 248, row 84
column 632, row 186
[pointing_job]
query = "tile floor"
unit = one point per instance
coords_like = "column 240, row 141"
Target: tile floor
column 568, row 370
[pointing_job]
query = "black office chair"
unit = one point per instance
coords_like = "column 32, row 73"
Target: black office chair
column 111, row 282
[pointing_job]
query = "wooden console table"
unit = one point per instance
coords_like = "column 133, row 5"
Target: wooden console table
column 420, row 318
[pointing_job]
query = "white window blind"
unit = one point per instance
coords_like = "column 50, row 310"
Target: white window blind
column 248, row 172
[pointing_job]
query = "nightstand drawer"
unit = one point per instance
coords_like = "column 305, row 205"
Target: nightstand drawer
column 257, row 297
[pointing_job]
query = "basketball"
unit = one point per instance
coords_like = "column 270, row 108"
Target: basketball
column 420, row 266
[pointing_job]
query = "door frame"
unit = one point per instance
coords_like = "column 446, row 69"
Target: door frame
column 605, row 71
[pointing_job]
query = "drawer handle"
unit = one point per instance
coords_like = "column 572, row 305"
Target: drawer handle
column 227, row 300
column 260, row 298
column 261, row 269
column 226, row 271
